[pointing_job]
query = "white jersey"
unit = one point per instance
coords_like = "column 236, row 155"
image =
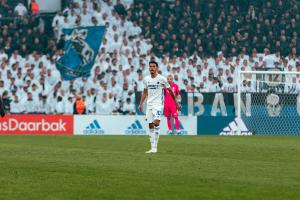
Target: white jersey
column 155, row 87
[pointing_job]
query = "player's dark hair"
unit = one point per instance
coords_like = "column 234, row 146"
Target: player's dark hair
column 153, row 62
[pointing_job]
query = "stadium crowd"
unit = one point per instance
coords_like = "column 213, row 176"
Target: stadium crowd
column 206, row 27
column 201, row 45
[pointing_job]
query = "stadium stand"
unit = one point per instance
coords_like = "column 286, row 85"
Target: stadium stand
column 206, row 27
column 200, row 45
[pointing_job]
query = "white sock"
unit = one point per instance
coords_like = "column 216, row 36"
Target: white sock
column 156, row 136
column 152, row 138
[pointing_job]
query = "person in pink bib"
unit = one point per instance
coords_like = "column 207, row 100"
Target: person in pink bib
column 170, row 109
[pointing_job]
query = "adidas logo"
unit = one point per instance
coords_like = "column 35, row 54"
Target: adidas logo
column 93, row 128
column 233, row 129
column 135, row 128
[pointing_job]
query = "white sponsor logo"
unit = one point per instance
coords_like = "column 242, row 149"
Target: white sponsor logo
column 135, row 128
column 15, row 125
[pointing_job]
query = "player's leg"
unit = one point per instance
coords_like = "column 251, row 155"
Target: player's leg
column 167, row 113
column 154, row 136
column 149, row 118
column 156, row 123
column 175, row 116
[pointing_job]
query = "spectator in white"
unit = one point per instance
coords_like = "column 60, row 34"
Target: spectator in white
column 105, row 19
column 78, row 3
column 14, row 92
column 185, row 86
column 127, row 92
column 103, row 89
column 114, row 18
column 244, row 86
column 69, row 106
column 128, row 75
column 59, row 108
column 19, row 78
column 292, row 88
column 228, row 73
column 43, row 105
column 146, row 46
column 90, row 101
column 44, row 87
column 35, row 91
column 127, row 3
column 215, row 86
column 206, row 84
column 92, row 83
column 198, row 76
column 122, row 27
column 125, row 51
column 107, row 47
column 98, row 15
column 72, row 17
column 229, row 86
column 247, row 86
column 65, row 23
column 20, row 10
column 115, row 103
column 103, row 107
column 52, row 78
column 95, row 72
column 289, row 78
column 128, row 107
column 112, row 30
column 2, row 87
column 39, row 109
column 134, row 30
column 68, row 9
column 247, row 66
column 79, row 83
column 116, row 43
column 16, row 107
column 221, row 75
column 277, row 56
column 3, row 55
column 21, row 92
column 139, row 87
column 94, row 21
column 56, row 24
column 30, row 76
column 30, row 104
column 15, row 57
column 106, row 6
column 85, row 17
column 115, row 88
column 269, row 59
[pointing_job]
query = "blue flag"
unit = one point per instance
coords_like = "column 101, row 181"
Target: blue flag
column 81, row 48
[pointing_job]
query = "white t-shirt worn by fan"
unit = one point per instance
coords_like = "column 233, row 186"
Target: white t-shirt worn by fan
column 155, row 87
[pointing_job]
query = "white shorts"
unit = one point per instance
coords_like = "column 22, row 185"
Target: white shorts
column 153, row 114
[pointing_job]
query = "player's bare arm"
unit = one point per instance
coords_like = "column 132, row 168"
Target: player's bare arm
column 178, row 106
column 144, row 96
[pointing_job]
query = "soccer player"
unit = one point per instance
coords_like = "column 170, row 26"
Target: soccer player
column 170, row 105
column 154, row 85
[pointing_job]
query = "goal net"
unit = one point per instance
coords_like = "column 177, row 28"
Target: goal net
column 268, row 102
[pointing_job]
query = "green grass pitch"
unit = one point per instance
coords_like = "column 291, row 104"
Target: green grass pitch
column 116, row 168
